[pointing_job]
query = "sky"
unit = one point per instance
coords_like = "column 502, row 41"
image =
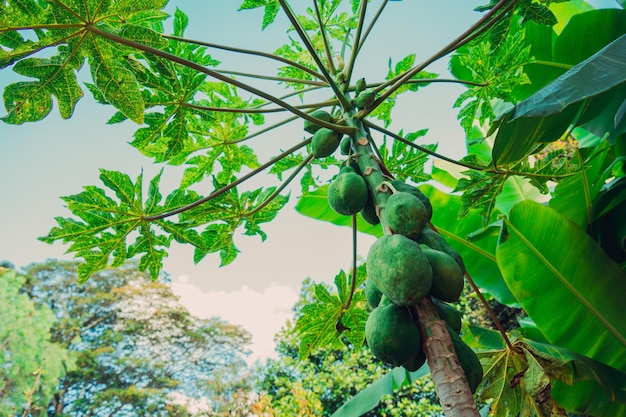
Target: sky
column 42, row 161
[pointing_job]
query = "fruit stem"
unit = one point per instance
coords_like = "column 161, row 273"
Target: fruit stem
column 490, row 311
column 354, row 258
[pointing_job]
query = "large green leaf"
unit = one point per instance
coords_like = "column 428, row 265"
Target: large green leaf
column 369, row 397
column 599, row 73
column 586, row 33
column 565, row 282
column 547, row 114
column 573, row 197
column 571, row 374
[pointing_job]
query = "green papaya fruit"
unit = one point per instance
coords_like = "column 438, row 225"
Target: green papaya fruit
column 399, row 269
column 372, row 294
column 364, row 99
column 360, row 86
column 405, row 214
column 391, row 334
column 468, row 360
column 324, row 142
column 347, row 193
column 435, row 241
column 407, row 188
column 313, row 127
column 369, row 212
column 345, row 145
column 449, row 314
column 447, row 276
column 416, row 363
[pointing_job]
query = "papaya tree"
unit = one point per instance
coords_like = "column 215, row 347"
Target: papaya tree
column 531, row 215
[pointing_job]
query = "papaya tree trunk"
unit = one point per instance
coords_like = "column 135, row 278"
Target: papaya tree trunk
column 455, row 395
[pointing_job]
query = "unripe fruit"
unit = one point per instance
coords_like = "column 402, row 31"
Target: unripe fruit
column 364, row 100
column 369, row 212
column 372, row 294
column 312, row 127
column 391, row 334
column 347, row 193
column 399, row 269
column 324, row 142
column 344, row 146
column 435, row 241
column 405, row 214
column 404, row 187
column 447, row 276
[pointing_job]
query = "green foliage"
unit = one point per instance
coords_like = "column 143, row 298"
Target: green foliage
column 383, row 111
column 540, row 253
column 496, row 72
column 333, row 317
column 405, row 161
column 107, row 224
column 31, row 364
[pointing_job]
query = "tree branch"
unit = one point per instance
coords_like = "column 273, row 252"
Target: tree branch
column 476, row 29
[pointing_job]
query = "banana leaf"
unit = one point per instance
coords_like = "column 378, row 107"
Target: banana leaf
column 565, row 282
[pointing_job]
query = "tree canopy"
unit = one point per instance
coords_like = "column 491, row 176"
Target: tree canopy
column 120, row 344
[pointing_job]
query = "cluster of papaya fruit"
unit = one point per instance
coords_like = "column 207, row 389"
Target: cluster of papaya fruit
column 412, row 261
column 404, row 267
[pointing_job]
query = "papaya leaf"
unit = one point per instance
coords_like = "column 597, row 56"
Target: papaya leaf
column 102, row 233
column 567, row 370
column 271, row 8
column 405, row 161
column 518, row 380
column 328, row 318
column 544, row 253
column 479, row 63
column 538, row 13
column 480, row 191
column 222, row 216
column 65, row 25
column 369, row 397
column 383, row 111
column 32, row 101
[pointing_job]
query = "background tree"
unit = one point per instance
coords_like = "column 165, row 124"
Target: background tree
column 30, row 363
column 543, row 114
column 138, row 351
